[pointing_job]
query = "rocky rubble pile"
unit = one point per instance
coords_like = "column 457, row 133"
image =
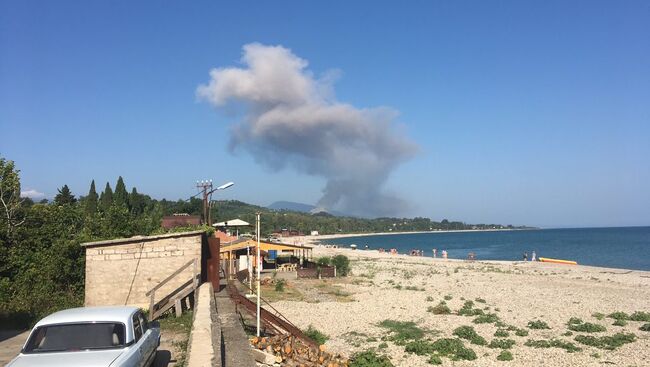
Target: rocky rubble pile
column 287, row 351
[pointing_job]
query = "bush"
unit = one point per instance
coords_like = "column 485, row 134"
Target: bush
column 342, row 265
column 521, row 332
column 489, row 318
column 538, row 324
column 467, row 310
column 434, row 359
column 585, row 327
column 315, row 335
column 640, row 316
column 370, row 358
column 419, row 347
column 454, row 349
column 501, row 333
column 468, row 333
column 619, row 322
column 619, row 315
column 440, row 309
column 402, row 331
column 279, row 285
column 501, row 343
column 606, row 342
column 323, row 261
column 504, row 356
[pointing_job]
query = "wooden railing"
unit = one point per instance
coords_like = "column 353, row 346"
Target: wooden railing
column 194, row 281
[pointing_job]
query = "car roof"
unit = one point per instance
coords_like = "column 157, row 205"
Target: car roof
column 90, row 314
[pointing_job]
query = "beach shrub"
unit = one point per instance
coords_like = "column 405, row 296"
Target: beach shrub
column 342, row 264
column 468, row 333
column 434, row 359
column 585, row 327
column 402, row 331
column 501, row 343
column 419, row 347
column 454, row 349
column 598, row 315
column 468, row 310
column 323, row 261
column 606, row 342
column 538, row 324
column 618, row 315
column 645, row 327
column 370, row 358
column 640, row 316
column 440, row 309
column 619, row 323
column 521, row 332
column 505, row 355
column 488, row 318
column 501, row 333
column 315, row 335
column 553, row 343
column 382, row 345
column 279, row 285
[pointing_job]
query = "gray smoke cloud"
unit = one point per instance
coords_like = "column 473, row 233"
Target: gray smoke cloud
column 290, row 118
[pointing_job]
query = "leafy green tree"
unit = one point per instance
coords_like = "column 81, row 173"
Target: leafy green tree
column 137, row 202
column 10, row 201
column 65, row 196
column 106, row 199
column 91, row 201
column 121, row 196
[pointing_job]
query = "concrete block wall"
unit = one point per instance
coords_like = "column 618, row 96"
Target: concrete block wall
column 122, row 271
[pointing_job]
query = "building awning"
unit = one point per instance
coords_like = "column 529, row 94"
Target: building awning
column 232, row 223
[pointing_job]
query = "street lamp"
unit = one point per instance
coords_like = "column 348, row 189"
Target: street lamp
column 209, row 194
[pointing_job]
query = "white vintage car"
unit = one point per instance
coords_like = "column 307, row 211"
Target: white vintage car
column 89, row 337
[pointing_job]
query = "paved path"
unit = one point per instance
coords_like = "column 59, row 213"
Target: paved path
column 10, row 344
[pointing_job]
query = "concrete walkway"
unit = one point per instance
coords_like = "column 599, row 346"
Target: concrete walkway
column 10, row 345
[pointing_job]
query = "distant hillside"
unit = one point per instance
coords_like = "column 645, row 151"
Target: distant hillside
column 290, row 205
column 300, row 207
column 277, row 219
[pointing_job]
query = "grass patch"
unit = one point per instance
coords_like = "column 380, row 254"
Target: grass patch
column 599, row 316
column 501, row 343
column 419, row 347
column 501, row 333
column 618, row 315
column 468, row 333
column 538, row 325
column 440, row 309
column 315, row 335
column 370, row 358
column 606, row 342
column 454, row 349
column 402, row 331
column 505, row 355
column 553, row 343
column 521, row 332
column 488, row 318
column 279, row 285
column 619, row 322
column 434, row 359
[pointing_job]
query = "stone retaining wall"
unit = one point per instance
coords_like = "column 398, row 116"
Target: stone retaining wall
column 122, row 271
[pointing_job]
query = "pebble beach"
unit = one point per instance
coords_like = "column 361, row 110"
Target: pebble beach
column 407, row 289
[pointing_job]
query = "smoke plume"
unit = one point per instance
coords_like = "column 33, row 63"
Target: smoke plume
column 290, row 118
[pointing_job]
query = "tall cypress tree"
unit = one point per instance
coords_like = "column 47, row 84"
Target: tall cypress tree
column 106, row 200
column 121, row 196
column 91, row 200
column 137, row 202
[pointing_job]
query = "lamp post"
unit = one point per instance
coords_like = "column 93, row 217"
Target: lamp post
column 222, row 187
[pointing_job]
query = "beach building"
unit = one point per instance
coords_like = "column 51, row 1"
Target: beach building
column 234, row 255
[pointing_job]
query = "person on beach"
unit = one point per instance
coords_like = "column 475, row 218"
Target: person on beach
column 533, row 256
column 525, row 256
column 435, row 253
column 444, row 254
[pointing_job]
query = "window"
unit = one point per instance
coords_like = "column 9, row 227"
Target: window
column 137, row 328
column 76, row 337
column 143, row 322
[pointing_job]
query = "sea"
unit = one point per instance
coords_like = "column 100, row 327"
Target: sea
column 621, row 247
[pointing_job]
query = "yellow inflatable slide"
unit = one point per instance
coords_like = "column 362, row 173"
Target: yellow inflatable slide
column 557, row 261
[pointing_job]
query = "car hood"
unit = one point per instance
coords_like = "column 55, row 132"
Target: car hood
column 95, row 358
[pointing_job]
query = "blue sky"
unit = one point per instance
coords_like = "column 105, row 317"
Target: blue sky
column 531, row 113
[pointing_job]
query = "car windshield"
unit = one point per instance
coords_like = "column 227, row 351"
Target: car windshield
column 74, row 337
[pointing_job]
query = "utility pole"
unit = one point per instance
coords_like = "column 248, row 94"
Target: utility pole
column 206, row 187
column 259, row 265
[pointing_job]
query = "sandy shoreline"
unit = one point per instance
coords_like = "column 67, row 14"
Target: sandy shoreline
column 384, row 286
